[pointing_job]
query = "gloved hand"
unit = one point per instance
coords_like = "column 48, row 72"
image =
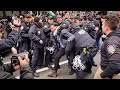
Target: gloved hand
column 41, row 42
column 69, row 40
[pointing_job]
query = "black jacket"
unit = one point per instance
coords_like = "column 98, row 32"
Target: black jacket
column 10, row 41
column 24, row 31
column 110, row 59
column 8, row 30
column 47, row 31
column 83, row 39
column 90, row 29
column 36, row 34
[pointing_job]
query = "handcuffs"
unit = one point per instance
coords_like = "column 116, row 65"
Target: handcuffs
column 77, row 62
column 50, row 49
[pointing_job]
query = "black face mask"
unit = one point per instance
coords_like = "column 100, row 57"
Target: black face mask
column 40, row 24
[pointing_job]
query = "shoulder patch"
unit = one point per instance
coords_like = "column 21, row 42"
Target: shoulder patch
column 111, row 49
column 81, row 32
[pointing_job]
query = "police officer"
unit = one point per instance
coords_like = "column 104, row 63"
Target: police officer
column 67, row 36
column 9, row 27
column 48, row 43
column 78, row 20
column 110, row 62
column 59, row 20
column 5, row 70
column 72, row 19
column 83, row 41
column 38, row 40
column 12, row 37
column 90, row 28
column 25, row 41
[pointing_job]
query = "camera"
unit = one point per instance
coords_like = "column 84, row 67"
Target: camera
column 14, row 58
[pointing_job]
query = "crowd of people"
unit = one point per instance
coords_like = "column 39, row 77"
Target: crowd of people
column 47, row 38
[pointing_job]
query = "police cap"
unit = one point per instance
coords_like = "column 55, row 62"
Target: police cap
column 89, row 18
column 73, row 26
column 28, row 16
column 54, row 23
column 65, row 25
column 78, row 18
column 72, row 17
column 59, row 16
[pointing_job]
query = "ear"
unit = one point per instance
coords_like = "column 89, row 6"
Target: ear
column 107, row 28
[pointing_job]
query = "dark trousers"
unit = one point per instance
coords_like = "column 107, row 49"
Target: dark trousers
column 70, row 58
column 57, row 55
column 48, row 58
column 30, row 57
column 38, row 57
column 20, row 47
column 79, row 74
column 70, row 54
column 26, row 46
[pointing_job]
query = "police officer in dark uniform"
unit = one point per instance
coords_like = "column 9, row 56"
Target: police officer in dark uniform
column 9, row 26
column 12, row 37
column 59, row 20
column 38, row 40
column 67, row 36
column 90, row 28
column 83, row 44
column 110, row 55
column 72, row 19
column 48, row 43
column 25, row 41
column 79, row 21
column 6, row 70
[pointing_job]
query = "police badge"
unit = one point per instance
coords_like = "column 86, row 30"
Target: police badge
column 45, row 26
column 39, row 32
column 22, row 27
column 111, row 49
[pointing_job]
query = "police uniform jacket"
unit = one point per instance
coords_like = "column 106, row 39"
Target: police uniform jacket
column 36, row 34
column 110, row 55
column 24, row 31
column 10, row 41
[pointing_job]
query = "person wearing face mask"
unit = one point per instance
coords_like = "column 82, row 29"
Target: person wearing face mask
column 37, row 37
